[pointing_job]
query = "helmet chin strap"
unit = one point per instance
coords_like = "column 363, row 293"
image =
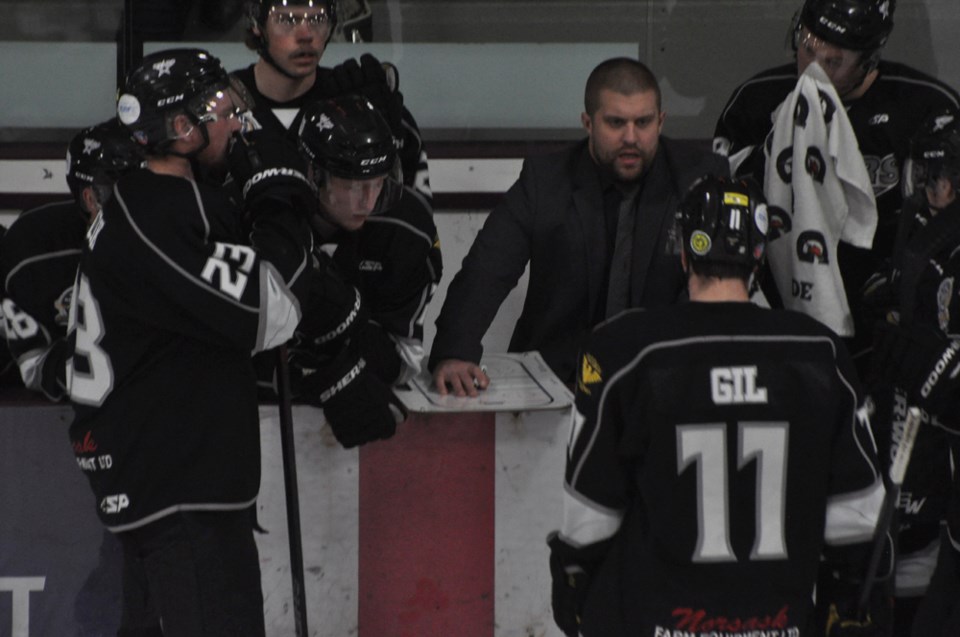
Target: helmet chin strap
column 193, row 153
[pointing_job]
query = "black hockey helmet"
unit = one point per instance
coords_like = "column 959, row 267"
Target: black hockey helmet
column 347, row 137
column 98, row 156
column 724, row 222
column 934, row 153
column 259, row 10
column 858, row 25
column 190, row 81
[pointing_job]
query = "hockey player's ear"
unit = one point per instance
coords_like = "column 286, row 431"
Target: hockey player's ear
column 586, row 121
column 182, row 126
column 89, row 201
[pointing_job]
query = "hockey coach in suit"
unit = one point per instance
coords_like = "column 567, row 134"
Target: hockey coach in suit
column 594, row 221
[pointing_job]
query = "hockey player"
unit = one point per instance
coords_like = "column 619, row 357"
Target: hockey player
column 380, row 232
column 40, row 252
column 885, row 101
column 170, row 301
column 916, row 292
column 290, row 37
column 384, row 269
column 916, row 352
column 702, row 434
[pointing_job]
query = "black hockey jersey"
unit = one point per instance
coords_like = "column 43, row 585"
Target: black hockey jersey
column 170, row 303
column 884, row 119
column 38, row 263
column 395, row 262
column 285, row 118
column 722, row 445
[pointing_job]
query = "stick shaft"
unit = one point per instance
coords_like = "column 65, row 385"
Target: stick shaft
column 888, row 509
column 291, row 492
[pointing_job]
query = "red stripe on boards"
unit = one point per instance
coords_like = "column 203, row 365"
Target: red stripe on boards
column 426, row 564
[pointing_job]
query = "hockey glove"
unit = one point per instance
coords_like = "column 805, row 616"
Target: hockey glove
column 332, row 314
column 921, row 360
column 267, row 166
column 369, row 79
column 842, row 619
column 359, row 407
column 380, row 352
column 879, row 295
column 571, row 569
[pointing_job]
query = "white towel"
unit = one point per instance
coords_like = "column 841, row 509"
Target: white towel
column 816, row 174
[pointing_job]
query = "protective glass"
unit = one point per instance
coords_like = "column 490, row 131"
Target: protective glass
column 344, row 199
column 929, row 179
column 289, row 18
column 232, row 101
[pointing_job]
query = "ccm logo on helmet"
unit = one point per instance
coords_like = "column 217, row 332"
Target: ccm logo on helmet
column 170, row 100
column 833, row 26
column 373, row 161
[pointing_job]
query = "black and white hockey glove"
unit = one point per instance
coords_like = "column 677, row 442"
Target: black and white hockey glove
column 268, row 166
column 368, row 78
column 332, row 315
column 359, row 406
column 921, row 360
column 571, row 569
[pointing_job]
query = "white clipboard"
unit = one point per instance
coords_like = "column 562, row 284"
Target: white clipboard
column 518, row 382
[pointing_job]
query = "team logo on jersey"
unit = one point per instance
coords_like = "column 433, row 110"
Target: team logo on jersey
column 812, row 247
column 370, row 266
column 884, row 172
column 879, row 118
column 700, row 242
column 815, row 165
column 62, row 306
column 785, row 164
column 944, row 294
column 163, row 67
column 590, row 373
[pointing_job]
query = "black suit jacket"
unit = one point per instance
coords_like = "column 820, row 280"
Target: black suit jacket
column 552, row 218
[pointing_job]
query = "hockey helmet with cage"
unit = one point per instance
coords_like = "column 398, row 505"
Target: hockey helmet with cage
column 724, row 222
column 934, row 154
column 347, row 137
column 857, row 25
column 258, row 12
column 98, row 156
column 174, row 81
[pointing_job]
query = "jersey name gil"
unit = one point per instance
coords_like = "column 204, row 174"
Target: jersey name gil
column 733, row 385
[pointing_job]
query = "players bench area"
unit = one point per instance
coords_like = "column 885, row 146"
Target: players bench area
column 439, row 530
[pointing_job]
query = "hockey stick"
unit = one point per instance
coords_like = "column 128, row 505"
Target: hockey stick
column 292, row 495
column 898, row 470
